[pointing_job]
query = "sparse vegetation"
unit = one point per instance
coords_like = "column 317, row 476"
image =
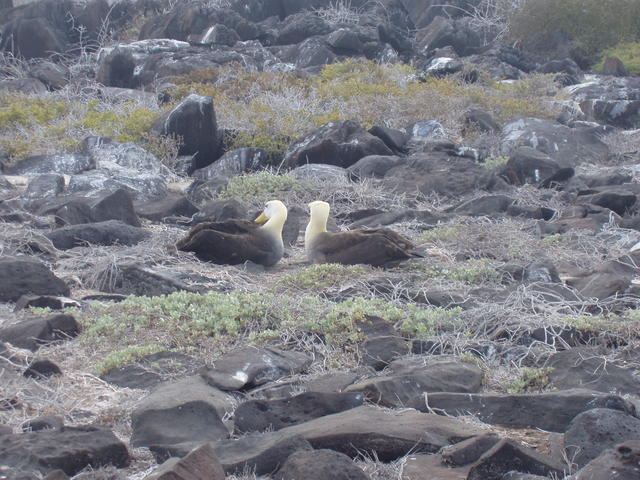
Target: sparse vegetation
column 320, row 277
column 628, row 52
column 260, row 187
column 126, row 356
column 531, row 380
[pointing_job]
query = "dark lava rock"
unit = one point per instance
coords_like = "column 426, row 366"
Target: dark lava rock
column 110, row 232
column 468, row 451
column 253, row 366
column 64, row 163
column 184, row 411
column 481, row 121
column 151, row 370
column 262, row 454
column 394, row 139
column 70, row 450
column 136, row 279
column 39, row 369
column 259, row 415
column 622, row 462
column 398, row 387
column 194, row 120
column 485, row 206
column 202, row 463
column 170, row 207
column 234, row 162
column 44, row 186
column 507, row 456
column 25, row 275
column 382, row 344
column 390, row 435
column 340, row 143
column 44, row 301
column 319, row 465
column 50, row 422
column 582, row 368
column 594, row 430
column 528, row 165
column 551, row 411
column 116, row 69
column 220, row 210
column 31, row 334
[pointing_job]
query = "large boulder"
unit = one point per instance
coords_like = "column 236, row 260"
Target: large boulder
column 620, row 462
column 110, row 232
column 598, row 429
column 319, row 465
column 194, row 121
column 71, row 450
column 567, row 146
column 64, row 163
column 23, row 275
column 340, row 143
column 443, row 32
column 32, row 334
column 186, row 411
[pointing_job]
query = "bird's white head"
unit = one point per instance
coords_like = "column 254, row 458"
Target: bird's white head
column 319, row 211
column 273, row 216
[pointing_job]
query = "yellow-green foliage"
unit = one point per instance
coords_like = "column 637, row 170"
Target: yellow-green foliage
column 472, row 271
column 130, row 124
column 185, row 319
column 628, row 52
column 261, row 187
column 126, row 356
column 591, row 25
column 32, row 125
column 495, row 163
column 531, row 380
column 442, row 233
column 323, row 276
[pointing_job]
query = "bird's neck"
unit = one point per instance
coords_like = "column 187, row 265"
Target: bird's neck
column 314, row 228
column 274, row 226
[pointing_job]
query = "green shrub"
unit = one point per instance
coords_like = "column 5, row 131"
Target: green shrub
column 531, row 380
column 260, row 187
column 590, row 25
column 495, row 163
column 126, row 356
column 628, row 52
column 323, row 276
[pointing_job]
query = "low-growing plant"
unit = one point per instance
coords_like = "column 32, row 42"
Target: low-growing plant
column 495, row 163
column 126, row 356
column 260, row 187
column 323, row 276
column 628, row 53
column 471, row 271
column 531, row 380
column 442, row 233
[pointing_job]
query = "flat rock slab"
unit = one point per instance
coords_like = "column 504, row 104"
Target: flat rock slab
column 253, row 366
column 551, row 411
column 259, row 415
column 152, row 370
column 262, row 454
column 397, row 390
column 582, row 368
column 319, row 465
column 595, row 430
column 110, row 232
column 200, row 464
column 186, row 410
column 389, row 435
column 25, row 275
column 69, row 450
column 32, row 334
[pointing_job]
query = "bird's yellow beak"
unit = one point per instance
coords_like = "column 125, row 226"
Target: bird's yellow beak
column 262, row 218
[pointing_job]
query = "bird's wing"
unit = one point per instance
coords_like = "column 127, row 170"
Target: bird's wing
column 371, row 247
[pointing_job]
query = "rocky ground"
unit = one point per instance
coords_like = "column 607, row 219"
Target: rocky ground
column 509, row 351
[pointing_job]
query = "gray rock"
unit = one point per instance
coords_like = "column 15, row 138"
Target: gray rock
column 63, row 164
column 31, row 334
column 25, row 275
column 253, row 366
column 551, row 411
column 339, row 143
column 621, row 462
column 390, row 435
column 44, row 186
column 595, row 430
column 260, row 415
column 70, row 450
column 202, row 463
column 110, row 232
column 319, row 465
column 183, row 411
column 397, row 388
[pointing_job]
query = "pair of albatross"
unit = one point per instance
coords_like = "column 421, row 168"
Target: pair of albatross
column 237, row 241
